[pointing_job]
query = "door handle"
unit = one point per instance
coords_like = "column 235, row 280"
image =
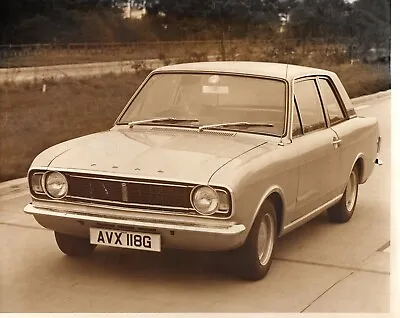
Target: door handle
column 336, row 142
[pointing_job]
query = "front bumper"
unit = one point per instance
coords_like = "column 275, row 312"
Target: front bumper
column 199, row 235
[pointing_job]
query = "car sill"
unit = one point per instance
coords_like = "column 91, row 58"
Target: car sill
column 298, row 222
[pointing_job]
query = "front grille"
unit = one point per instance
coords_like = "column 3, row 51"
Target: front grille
column 94, row 189
column 129, row 192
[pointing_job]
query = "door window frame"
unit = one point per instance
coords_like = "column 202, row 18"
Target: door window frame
column 338, row 99
column 296, row 112
column 297, row 109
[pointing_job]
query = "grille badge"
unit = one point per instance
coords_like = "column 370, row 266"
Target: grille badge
column 105, row 189
column 124, row 192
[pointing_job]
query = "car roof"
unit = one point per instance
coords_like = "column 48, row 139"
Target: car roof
column 277, row 70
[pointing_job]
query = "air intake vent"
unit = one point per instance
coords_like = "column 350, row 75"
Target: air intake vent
column 193, row 131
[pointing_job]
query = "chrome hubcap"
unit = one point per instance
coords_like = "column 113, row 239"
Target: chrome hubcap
column 351, row 191
column 266, row 236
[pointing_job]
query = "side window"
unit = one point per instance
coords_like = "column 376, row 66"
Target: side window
column 331, row 103
column 309, row 104
column 297, row 131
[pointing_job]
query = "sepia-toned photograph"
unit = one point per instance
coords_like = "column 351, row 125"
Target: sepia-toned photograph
column 195, row 156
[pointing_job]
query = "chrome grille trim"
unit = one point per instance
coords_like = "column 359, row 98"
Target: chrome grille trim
column 140, row 205
column 156, row 195
column 95, row 177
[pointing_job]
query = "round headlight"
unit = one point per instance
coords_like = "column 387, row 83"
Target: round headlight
column 205, row 200
column 56, row 185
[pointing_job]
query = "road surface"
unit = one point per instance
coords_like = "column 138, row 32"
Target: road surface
column 320, row 267
column 42, row 73
column 39, row 73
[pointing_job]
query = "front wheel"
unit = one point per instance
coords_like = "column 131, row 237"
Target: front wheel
column 342, row 211
column 73, row 245
column 254, row 258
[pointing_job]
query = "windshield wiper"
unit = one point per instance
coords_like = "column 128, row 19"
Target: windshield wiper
column 161, row 120
column 235, row 124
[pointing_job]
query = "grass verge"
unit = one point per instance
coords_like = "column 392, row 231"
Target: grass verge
column 31, row 121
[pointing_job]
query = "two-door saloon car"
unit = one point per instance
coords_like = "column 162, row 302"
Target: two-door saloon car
column 212, row 156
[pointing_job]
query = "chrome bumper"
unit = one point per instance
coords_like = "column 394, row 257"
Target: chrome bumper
column 175, row 235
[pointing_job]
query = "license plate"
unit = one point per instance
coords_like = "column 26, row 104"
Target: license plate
column 124, row 239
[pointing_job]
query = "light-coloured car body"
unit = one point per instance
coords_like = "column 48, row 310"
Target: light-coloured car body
column 301, row 173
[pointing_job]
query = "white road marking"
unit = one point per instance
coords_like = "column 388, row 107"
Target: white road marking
column 12, row 196
column 13, row 183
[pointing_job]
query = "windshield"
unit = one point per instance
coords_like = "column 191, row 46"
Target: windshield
column 201, row 99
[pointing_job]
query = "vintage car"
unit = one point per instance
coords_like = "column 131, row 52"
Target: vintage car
column 210, row 156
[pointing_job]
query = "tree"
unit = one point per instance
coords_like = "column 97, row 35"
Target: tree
column 319, row 19
column 370, row 24
column 15, row 13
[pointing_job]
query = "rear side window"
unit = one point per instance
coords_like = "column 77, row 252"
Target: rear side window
column 331, row 103
column 309, row 105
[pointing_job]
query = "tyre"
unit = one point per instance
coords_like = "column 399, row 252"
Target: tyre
column 342, row 211
column 73, row 245
column 254, row 258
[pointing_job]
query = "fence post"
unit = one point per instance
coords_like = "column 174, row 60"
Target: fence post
column 223, row 54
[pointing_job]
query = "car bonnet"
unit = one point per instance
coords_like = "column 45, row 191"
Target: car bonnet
column 143, row 152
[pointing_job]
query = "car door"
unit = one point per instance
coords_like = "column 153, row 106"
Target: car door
column 316, row 147
column 338, row 121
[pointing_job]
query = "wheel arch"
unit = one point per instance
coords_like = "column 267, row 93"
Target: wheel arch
column 359, row 162
column 275, row 196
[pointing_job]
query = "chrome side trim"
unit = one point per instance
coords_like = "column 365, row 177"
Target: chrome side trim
column 229, row 229
column 296, row 223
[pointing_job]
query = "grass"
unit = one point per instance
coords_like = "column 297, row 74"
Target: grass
column 89, row 54
column 359, row 79
column 31, row 121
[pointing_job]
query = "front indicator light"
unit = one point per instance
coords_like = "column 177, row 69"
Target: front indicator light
column 36, row 183
column 224, row 202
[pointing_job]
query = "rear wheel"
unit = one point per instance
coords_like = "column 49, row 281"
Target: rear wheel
column 342, row 211
column 73, row 245
column 254, row 258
